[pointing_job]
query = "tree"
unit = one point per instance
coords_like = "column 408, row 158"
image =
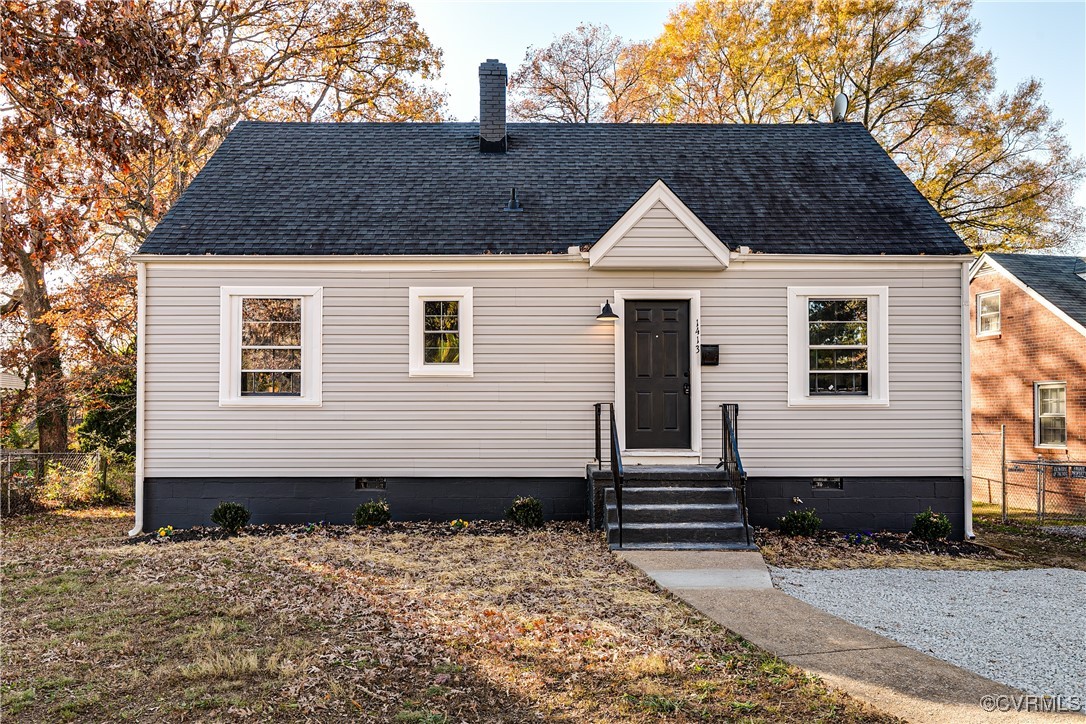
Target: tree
column 585, row 76
column 114, row 105
column 997, row 167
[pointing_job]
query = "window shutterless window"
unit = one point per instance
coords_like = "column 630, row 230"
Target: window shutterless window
column 838, row 346
column 1050, row 414
column 988, row 313
column 270, row 341
column 440, row 328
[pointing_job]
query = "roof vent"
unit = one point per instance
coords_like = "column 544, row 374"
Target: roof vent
column 493, row 78
column 513, row 204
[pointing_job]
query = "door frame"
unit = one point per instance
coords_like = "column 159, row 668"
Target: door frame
column 636, row 456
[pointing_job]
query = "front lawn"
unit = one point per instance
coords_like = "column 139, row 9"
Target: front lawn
column 400, row 625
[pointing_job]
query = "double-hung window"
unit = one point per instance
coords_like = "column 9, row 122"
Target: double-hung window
column 988, row 314
column 270, row 346
column 837, row 346
column 440, row 328
column 1050, row 414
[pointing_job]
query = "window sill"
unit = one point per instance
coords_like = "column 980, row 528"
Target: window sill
column 272, row 402
column 1050, row 447
column 990, row 335
column 436, row 372
column 837, row 403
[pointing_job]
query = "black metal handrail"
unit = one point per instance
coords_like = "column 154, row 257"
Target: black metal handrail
column 730, row 458
column 615, row 459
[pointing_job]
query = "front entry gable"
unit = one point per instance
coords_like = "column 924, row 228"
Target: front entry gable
column 659, row 232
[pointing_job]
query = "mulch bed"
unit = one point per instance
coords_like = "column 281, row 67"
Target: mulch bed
column 433, row 529
column 841, row 546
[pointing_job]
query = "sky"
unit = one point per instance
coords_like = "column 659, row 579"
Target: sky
column 1045, row 40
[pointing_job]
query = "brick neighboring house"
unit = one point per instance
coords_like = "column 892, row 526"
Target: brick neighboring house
column 1028, row 350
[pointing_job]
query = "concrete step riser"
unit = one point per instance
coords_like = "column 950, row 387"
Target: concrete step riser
column 666, row 496
column 706, row 534
column 671, row 514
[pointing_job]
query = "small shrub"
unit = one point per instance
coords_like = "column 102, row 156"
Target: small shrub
column 372, row 513
column 800, row 523
column 459, row 524
column 527, row 512
column 231, row 517
column 931, row 526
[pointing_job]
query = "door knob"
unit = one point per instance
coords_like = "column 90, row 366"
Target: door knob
column 686, row 388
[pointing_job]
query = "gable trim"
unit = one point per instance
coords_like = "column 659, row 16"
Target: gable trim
column 659, row 193
column 1041, row 299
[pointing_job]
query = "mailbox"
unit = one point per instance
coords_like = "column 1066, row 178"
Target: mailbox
column 710, row 355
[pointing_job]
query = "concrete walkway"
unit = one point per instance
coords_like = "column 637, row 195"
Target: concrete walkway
column 734, row 589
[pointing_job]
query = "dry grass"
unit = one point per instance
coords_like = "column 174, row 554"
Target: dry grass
column 547, row 626
column 1022, row 538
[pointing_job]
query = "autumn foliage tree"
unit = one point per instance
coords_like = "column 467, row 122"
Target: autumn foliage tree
column 111, row 108
column 996, row 166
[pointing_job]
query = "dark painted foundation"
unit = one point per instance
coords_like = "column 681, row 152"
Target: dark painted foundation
column 862, row 504
column 186, row 502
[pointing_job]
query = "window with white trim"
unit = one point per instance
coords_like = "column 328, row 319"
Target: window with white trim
column 838, row 346
column 270, row 346
column 988, row 314
column 440, row 325
column 1050, row 414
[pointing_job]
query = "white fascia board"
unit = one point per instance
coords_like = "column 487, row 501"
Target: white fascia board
column 852, row 261
column 659, row 193
column 1062, row 315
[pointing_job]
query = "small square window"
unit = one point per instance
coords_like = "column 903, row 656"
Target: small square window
column 989, row 321
column 440, row 331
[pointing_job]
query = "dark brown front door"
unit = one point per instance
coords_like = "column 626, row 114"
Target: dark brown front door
column 657, row 375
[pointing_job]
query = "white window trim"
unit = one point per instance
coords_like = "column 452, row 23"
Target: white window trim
column 637, row 455
column 1037, row 386
column 230, row 346
column 993, row 293
column 418, row 296
column 878, row 347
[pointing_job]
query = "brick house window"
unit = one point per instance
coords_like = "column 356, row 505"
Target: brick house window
column 1050, row 414
column 988, row 316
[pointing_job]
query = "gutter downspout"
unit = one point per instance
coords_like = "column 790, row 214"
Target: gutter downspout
column 141, row 329
column 967, row 408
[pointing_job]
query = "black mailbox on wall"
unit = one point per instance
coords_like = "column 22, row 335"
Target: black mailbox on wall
column 710, row 355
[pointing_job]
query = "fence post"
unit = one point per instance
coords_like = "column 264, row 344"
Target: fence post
column 1040, row 486
column 1003, row 469
column 103, row 466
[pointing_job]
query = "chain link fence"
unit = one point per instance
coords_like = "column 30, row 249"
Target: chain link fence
column 1041, row 488
column 31, row 481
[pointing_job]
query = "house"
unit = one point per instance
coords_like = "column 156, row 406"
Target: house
column 429, row 313
column 1028, row 322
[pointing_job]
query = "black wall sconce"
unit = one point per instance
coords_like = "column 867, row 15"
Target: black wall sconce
column 606, row 313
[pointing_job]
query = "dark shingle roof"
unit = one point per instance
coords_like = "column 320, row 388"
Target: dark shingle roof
column 383, row 188
column 1053, row 277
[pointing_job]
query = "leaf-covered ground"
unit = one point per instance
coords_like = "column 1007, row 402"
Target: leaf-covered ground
column 381, row 625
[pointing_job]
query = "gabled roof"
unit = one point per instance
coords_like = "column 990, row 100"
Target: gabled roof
column 392, row 188
column 1053, row 279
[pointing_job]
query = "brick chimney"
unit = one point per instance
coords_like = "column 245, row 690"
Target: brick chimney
column 493, row 79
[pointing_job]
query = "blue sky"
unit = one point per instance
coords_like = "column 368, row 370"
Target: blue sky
column 1045, row 40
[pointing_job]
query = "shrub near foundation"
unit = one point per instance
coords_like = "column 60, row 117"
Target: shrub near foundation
column 231, row 517
column 372, row 513
column 527, row 512
column 931, row 526
column 800, row 523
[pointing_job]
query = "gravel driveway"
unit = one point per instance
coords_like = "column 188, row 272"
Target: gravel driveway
column 1023, row 628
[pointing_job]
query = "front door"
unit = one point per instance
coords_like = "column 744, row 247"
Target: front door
column 657, row 374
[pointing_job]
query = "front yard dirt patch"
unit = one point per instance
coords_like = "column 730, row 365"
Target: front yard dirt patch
column 397, row 624
column 829, row 549
column 1029, row 541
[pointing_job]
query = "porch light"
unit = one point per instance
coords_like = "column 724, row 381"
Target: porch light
column 606, row 313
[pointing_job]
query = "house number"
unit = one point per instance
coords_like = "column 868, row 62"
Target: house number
column 697, row 336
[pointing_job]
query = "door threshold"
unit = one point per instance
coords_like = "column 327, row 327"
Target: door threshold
column 660, row 457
